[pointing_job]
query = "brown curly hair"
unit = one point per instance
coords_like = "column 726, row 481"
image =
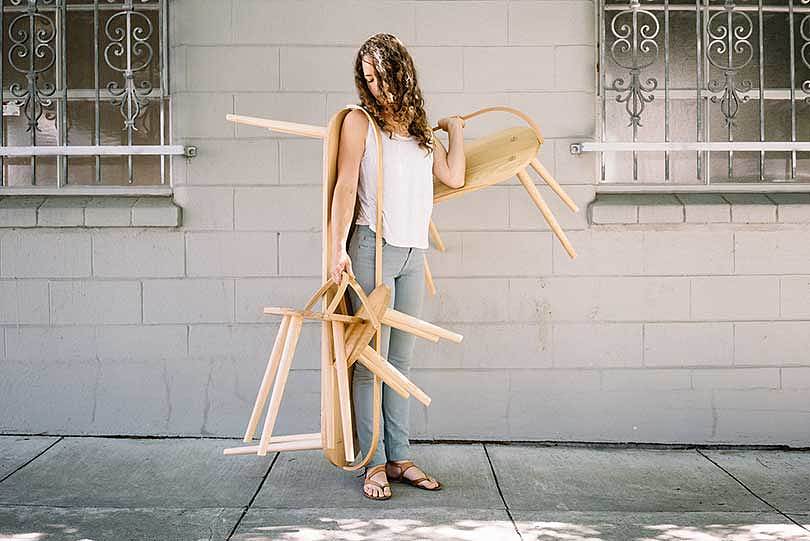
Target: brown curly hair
column 396, row 79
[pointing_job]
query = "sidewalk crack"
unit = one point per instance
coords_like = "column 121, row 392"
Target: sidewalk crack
column 500, row 492
column 250, row 503
column 754, row 494
column 33, row 459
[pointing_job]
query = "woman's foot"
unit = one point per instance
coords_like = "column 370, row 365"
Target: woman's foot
column 405, row 471
column 375, row 486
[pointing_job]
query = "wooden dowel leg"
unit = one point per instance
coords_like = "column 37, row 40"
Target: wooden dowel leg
column 403, row 321
column 524, row 178
column 339, row 295
column 375, row 367
column 342, row 373
column 281, row 380
column 429, row 278
column 267, row 380
column 545, row 175
column 327, row 386
column 394, row 375
column 434, row 235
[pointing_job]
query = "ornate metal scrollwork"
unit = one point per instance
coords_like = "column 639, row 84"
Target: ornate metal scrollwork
column 129, row 32
column 729, row 49
column 33, row 38
column 804, row 30
column 635, row 38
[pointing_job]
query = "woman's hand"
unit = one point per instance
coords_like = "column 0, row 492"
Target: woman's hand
column 342, row 263
column 446, row 122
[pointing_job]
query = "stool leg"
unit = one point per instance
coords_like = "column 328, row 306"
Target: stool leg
column 342, row 370
column 281, row 381
column 267, row 380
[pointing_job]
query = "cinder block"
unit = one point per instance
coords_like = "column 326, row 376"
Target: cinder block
column 441, row 104
column 323, row 22
column 504, row 68
column 551, row 23
column 19, row 211
column 749, row 208
column 201, row 21
column 205, row 208
column 559, row 114
column 301, row 161
column 109, row 211
column 326, row 69
column 108, row 302
column 232, row 254
column 281, row 208
column 229, row 162
column 688, row 252
column 649, row 379
column 792, row 207
column 688, row 344
column 705, row 208
column 795, row 377
column 543, row 381
column 45, row 254
column 253, row 294
column 188, row 301
column 453, row 301
column 232, row 68
column 622, row 208
column 601, row 252
column 524, row 214
column 483, row 209
column 575, row 67
column 301, row 107
column 771, row 343
column 439, row 69
column 506, row 253
column 155, row 212
column 794, row 297
column 202, row 115
column 447, row 263
column 24, row 302
column 251, row 345
column 591, row 345
column 580, row 299
column 57, row 345
column 60, row 211
column 138, row 253
column 719, row 297
column 142, row 342
column 466, row 403
column 660, row 209
column 123, row 386
column 442, row 23
column 300, row 254
column 736, row 378
column 771, row 252
column 780, row 416
column 177, row 67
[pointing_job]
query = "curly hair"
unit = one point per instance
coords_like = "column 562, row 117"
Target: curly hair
column 396, row 79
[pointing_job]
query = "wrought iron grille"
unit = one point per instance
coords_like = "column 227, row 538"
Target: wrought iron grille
column 703, row 92
column 84, row 93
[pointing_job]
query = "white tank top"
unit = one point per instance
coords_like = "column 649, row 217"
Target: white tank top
column 407, row 189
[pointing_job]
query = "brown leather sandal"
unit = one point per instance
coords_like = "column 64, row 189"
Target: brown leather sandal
column 370, row 472
column 405, row 465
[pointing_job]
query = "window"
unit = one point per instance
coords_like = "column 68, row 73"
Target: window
column 703, row 94
column 85, row 95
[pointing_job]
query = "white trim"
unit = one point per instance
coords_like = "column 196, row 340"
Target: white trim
column 96, row 150
column 87, row 190
column 755, row 146
column 722, row 187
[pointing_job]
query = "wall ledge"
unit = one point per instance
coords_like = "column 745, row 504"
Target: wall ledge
column 86, row 211
column 700, row 208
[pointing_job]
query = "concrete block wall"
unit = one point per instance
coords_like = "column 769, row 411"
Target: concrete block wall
column 693, row 332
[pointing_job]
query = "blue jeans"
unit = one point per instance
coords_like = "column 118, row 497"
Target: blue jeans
column 403, row 272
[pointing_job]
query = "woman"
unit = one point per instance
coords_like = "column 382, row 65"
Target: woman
column 385, row 78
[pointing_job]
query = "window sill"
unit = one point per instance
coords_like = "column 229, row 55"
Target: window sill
column 85, row 211
column 700, row 208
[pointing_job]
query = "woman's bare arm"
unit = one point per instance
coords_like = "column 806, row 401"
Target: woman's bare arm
column 450, row 166
column 350, row 152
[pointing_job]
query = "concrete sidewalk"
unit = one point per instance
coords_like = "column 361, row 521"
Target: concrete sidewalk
column 87, row 488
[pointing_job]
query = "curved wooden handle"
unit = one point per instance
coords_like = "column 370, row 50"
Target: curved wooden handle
column 503, row 108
